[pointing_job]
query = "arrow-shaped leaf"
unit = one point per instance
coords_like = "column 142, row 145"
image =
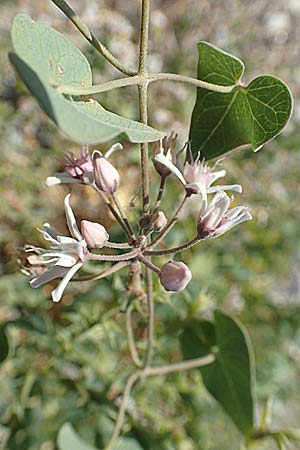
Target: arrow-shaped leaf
column 45, row 58
column 252, row 114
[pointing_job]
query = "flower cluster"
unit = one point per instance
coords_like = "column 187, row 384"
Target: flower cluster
column 67, row 254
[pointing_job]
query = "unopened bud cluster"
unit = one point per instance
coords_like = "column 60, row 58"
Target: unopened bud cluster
column 144, row 239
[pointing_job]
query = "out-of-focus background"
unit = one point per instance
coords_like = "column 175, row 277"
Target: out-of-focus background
column 68, row 362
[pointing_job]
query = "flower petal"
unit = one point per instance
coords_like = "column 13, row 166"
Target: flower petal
column 162, row 159
column 232, row 223
column 232, row 187
column 51, row 274
column 113, row 149
column 61, row 178
column 57, row 293
column 72, row 225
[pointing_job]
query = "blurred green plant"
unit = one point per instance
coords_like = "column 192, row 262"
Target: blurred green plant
column 81, row 407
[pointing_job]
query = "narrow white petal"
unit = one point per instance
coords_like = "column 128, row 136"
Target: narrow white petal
column 233, row 222
column 161, row 158
column 216, row 210
column 61, row 178
column 66, row 261
column 234, row 212
column 113, row 149
column 66, row 240
column 57, row 293
column 51, row 274
column 232, row 187
column 71, row 221
column 213, row 176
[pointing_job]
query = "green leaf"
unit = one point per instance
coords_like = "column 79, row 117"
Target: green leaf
column 252, row 114
column 44, row 59
column 68, row 439
column 4, row 346
column 230, row 378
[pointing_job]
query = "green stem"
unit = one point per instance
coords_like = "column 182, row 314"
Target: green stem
column 179, row 367
column 130, row 338
column 120, row 419
column 85, row 31
column 144, row 149
column 139, row 80
column 151, row 371
column 151, row 315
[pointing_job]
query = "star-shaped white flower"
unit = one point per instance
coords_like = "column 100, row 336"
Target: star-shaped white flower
column 65, row 257
column 197, row 177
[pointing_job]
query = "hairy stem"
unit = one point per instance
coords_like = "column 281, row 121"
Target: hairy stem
column 169, row 251
column 160, row 194
column 178, row 367
column 124, row 257
column 104, row 273
column 144, row 149
column 112, row 209
column 121, row 413
column 151, row 315
column 143, row 104
column 85, row 31
column 130, row 338
column 139, row 80
column 117, row 245
column 124, row 218
column 148, row 264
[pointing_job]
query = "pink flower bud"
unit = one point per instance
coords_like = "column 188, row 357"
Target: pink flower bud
column 158, row 221
column 94, row 234
column 175, row 276
column 107, row 177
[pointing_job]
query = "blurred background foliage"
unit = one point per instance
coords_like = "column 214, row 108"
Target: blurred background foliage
column 68, row 362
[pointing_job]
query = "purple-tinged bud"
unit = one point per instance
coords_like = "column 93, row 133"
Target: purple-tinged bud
column 94, row 234
column 158, row 221
column 107, row 177
column 175, row 276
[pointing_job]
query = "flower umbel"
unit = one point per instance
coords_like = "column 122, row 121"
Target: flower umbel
column 65, row 257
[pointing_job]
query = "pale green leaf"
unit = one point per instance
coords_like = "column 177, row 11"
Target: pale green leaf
column 44, row 59
column 68, row 439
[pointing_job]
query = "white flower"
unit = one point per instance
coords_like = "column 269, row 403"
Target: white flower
column 79, row 170
column 216, row 219
column 197, row 177
column 65, row 257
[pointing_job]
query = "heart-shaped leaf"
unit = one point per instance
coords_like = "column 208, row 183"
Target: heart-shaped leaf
column 230, row 378
column 252, row 114
column 44, row 59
